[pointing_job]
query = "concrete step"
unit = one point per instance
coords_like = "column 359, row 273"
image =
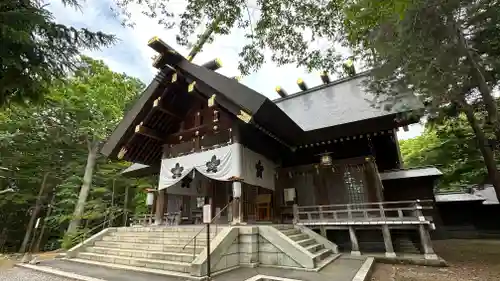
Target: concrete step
column 150, row 247
column 298, row 237
column 306, row 242
column 147, row 240
column 291, row 231
column 138, row 262
column 322, row 254
column 119, row 272
column 187, row 228
column 314, row 248
column 284, row 226
column 164, row 234
column 169, row 256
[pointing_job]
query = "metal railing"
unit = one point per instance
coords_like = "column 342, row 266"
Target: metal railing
column 201, row 230
column 79, row 238
column 364, row 212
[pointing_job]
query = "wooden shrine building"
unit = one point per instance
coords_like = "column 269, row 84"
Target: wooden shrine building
column 318, row 157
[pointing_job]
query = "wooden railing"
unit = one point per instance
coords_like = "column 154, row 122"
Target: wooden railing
column 378, row 213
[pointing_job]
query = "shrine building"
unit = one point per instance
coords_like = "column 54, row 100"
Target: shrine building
column 325, row 157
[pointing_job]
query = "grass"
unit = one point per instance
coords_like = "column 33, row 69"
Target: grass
column 468, row 260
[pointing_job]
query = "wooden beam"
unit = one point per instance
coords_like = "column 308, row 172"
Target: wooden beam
column 213, row 64
column 302, row 85
column 324, row 77
column 281, row 91
column 157, row 106
column 145, row 131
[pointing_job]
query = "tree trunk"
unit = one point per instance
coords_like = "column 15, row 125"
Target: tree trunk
column 486, row 151
column 479, row 80
column 44, row 225
column 34, row 214
column 85, row 189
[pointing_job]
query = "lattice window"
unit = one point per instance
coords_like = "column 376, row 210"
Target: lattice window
column 355, row 188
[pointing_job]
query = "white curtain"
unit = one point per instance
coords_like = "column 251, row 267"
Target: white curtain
column 257, row 170
column 220, row 164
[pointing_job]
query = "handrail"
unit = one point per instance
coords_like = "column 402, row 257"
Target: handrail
column 370, row 203
column 216, row 216
column 84, row 234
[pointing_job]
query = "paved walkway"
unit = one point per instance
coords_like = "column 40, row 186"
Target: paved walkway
column 105, row 273
column 342, row 269
column 22, row 274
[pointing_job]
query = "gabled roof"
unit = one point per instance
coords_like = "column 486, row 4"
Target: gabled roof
column 236, row 98
column 342, row 102
column 263, row 111
column 334, row 109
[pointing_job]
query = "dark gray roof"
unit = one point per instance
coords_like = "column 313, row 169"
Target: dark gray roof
column 411, row 173
column 341, row 102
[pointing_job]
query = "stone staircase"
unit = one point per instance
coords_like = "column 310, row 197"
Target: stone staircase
column 321, row 254
column 156, row 248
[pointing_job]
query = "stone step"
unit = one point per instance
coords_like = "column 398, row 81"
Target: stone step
column 291, row 231
column 162, row 229
column 298, row 237
column 322, row 254
column 169, row 256
column 138, row 262
column 146, row 240
column 306, row 242
column 162, row 234
column 150, row 247
column 314, row 248
column 131, row 272
column 284, row 226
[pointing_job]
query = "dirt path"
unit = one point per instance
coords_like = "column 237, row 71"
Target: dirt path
column 468, row 260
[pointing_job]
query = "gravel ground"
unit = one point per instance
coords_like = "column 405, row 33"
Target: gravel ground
column 468, row 260
column 23, row 274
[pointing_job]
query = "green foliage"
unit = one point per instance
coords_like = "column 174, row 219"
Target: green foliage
column 452, row 147
column 51, row 137
column 36, row 51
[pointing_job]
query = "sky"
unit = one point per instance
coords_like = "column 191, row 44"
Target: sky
column 132, row 56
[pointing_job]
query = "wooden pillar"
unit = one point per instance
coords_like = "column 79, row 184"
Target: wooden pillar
column 389, row 249
column 160, row 207
column 396, row 142
column 354, row 242
column 376, row 183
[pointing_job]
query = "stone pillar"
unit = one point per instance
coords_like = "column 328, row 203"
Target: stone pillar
column 160, row 207
column 354, row 242
column 426, row 243
column 322, row 231
column 389, row 249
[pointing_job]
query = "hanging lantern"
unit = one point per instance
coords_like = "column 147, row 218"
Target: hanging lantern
column 326, row 159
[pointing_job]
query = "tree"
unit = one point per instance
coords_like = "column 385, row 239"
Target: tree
column 52, row 137
column 36, row 51
column 439, row 49
column 95, row 96
column 450, row 145
column 447, row 52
